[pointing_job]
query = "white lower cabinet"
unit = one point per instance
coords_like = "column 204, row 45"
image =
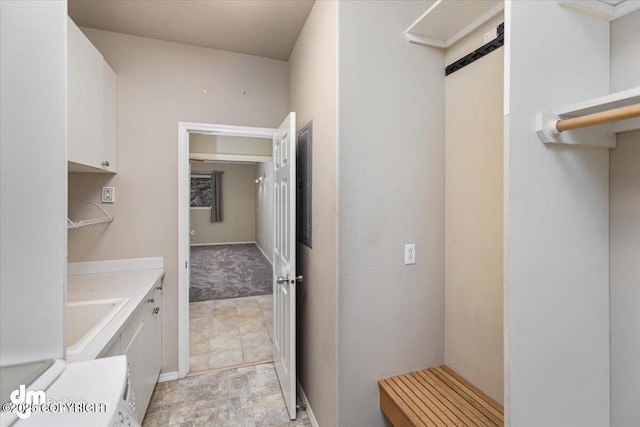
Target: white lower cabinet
column 140, row 341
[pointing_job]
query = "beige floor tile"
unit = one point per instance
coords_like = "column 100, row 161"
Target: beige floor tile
column 225, row 358
column 224, row 320
column 265, row 298
column 255, row 326
column 256, row 339
column 231, row 342
column 248, row 307
column 225, row 302
column 224, row 331
column 219, row 331
column 228, row 310
column 201, row 305
column 248, row 315
column 270, row 329
column 199, row 346
column 199, row 334
column 200, row 323
column 255, row 354
column 264, row 306
column 198, row 362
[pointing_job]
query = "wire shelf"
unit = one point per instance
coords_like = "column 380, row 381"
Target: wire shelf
column 86, row 222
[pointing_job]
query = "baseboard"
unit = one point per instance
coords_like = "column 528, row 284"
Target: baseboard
column 305, row 401
column 220, row 244
column 263, row 253
column 168, row 376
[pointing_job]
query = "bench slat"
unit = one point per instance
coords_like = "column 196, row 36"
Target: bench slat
column 469, row 395
column 437, row 397
column 464, row 417
column 475, row 416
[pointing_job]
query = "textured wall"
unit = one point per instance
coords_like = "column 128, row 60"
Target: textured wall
column 625, row 235
column 557, row 250
column 474, row 217
column 224, row 144
column 391, row 192
column 312, row 95
column 238, row 205
column 160, row 84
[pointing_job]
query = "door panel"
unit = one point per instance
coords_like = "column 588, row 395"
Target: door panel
column 284, row 261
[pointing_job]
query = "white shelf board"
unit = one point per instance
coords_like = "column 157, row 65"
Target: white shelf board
column 601, row 9
column 603, row 103
column 445, row 22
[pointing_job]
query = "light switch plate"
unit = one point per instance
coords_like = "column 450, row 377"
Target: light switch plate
column 108, row 194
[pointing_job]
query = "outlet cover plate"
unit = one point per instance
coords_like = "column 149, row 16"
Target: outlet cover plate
column 410, row 253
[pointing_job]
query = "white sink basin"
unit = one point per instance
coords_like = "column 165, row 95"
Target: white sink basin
column 84, row 320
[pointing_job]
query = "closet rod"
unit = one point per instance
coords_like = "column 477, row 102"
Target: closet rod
column 622, row 113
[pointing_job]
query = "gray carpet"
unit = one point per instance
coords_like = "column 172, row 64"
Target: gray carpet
column 228, row 271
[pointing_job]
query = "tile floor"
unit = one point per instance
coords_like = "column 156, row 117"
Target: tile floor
column 229, row 332
column 241, row 397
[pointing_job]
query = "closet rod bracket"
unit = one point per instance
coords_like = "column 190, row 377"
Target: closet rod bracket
column 598, row 136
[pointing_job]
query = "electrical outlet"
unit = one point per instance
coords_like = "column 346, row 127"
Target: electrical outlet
column 410, row 253
column 108, row 194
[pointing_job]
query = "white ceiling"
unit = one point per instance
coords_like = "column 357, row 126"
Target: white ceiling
column 267, row 28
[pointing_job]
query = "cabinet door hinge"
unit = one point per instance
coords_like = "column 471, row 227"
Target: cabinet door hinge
column 185, row 264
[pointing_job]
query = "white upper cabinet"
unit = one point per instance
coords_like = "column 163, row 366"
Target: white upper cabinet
column 109, row 121
column 91, row 144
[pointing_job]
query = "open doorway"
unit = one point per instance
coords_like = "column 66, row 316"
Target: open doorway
column 284, row 279
column 231, row 233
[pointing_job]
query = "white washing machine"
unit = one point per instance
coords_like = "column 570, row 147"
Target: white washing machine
column 94, row 393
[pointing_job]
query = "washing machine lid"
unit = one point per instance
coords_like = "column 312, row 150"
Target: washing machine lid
column 37, row 375
column 89, row 391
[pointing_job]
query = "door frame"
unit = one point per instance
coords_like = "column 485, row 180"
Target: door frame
column 184, row 129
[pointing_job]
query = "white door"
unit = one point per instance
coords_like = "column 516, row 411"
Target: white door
column 284, row 260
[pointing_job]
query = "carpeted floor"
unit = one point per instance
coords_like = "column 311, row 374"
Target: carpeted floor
column 228, row 271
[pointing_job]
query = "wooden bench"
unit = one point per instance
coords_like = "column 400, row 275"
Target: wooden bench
column 437, row 397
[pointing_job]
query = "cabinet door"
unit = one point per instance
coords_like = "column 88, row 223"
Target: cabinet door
column 143, row 351
column 143, row 374
column 109, row 98
column 84, row 103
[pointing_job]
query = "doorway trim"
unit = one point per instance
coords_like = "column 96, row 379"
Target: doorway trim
column 184, row 129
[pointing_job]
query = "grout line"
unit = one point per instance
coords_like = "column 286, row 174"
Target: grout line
column 227, row 368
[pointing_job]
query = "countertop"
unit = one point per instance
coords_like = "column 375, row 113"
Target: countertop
column 132, row 284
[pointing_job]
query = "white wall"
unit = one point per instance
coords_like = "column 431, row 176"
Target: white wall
column 224, row 144
column 391, row 192
column 625, row 281
column 313, row 96
column 238, row 206
column 474, row 217
column 557, row 265
column 33, row 190
column 625, row 235
column 264, row 208
column 160, row 84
